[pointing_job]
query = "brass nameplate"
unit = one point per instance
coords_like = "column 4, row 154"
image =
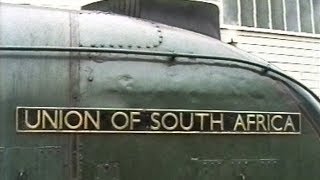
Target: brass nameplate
column 109, row 120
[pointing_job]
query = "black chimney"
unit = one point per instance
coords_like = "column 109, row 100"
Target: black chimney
column 195, row 16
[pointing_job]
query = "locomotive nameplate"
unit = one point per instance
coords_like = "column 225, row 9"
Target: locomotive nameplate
column 111, row 120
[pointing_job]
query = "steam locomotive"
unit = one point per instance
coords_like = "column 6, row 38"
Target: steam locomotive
column 140, row 90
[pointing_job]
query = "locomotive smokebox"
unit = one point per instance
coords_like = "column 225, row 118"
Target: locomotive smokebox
column 90, row 95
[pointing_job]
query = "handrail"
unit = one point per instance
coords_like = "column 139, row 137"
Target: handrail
column 154, row 53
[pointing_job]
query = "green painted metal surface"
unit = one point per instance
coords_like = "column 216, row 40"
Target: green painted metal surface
column 62, row 79
column 157, row 85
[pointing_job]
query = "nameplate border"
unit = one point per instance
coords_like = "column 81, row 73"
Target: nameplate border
column 155, row 132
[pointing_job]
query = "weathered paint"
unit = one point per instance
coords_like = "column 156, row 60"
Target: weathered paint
column 59, row 79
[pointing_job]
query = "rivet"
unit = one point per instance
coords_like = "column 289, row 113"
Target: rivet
column 111, row 46
column 106, row 166
column 90, row 78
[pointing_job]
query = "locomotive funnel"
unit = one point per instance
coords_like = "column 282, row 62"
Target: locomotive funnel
column 195, row 16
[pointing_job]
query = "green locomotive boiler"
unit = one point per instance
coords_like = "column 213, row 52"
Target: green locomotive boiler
column 94, row 95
